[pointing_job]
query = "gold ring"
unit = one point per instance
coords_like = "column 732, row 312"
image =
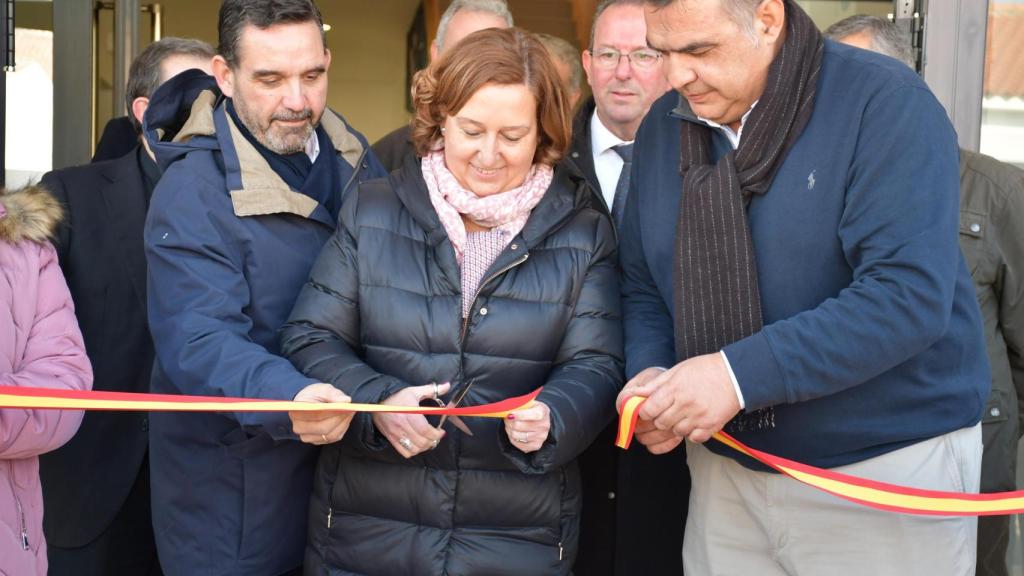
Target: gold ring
column 324, row 436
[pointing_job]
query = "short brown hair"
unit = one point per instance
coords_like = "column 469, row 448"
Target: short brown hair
column 509, row 56
column 145, row 74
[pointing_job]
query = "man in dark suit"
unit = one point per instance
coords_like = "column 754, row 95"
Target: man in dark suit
column 119, row 137
column 96, row 487
column 624, row 528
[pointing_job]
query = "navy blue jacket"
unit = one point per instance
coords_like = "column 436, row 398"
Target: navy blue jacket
column 229, row 245
column 872, row 338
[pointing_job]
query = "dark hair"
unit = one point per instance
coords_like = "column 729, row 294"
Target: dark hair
column 145, row 74
column 237, row 14
column 507, row 56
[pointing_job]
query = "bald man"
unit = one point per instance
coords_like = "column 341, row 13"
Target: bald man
column 462, row 18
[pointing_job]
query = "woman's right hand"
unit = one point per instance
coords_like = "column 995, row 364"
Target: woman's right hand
column 410, row 434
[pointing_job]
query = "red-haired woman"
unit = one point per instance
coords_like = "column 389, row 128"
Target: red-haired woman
column 485, row 266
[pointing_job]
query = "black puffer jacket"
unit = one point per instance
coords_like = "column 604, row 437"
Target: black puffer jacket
column 382, row 311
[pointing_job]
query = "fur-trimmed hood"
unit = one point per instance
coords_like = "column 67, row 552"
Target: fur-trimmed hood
column 28, row 213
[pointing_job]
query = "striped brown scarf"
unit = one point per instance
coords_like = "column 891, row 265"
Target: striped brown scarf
column 717, row 300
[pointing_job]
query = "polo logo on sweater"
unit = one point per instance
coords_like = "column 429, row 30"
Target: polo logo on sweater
column 810, row 180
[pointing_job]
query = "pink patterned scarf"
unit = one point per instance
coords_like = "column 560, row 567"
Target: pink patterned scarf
column 506, row 211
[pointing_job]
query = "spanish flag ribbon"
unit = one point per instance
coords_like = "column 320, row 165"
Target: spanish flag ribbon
column 27, row 397
column 878, row 495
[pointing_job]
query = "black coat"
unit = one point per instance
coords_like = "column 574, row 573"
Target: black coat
column 86, row 481
column 119, row 137
column 634, row 503
column 382, row 311
column 581, row 153
column 394, row 147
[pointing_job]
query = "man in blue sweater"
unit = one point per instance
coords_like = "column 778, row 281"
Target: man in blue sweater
column 792, row 275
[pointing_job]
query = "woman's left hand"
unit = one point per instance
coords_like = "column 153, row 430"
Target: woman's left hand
column 528, row 428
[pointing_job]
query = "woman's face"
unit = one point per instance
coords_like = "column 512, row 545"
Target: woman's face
column 490, row 143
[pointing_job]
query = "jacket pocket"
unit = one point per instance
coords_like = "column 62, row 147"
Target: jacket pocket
column 16, row 520
column 240, row 444
column 973, row 229
column 997, row 410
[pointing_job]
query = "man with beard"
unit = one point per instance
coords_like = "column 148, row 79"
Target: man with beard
column 624, row 528
column 791, row 273
column 255, row 170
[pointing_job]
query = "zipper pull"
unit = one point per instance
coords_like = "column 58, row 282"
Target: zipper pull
column 560, row 551
column 329, row 513
column 24, row 539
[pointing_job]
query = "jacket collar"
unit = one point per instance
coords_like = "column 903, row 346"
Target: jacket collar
column 125, row 201
column 580, row 151
column 254, row 187
column 683, row 110
column 29, row 214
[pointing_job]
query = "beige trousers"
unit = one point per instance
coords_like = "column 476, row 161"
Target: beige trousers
column 748, row 523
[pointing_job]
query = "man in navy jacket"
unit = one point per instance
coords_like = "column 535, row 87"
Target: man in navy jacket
column 255, row 169
column 792, row 274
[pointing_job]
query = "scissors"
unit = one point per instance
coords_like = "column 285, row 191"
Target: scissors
column 457, row 399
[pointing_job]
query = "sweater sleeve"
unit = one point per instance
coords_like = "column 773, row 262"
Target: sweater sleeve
column 580, row 391
column 898, row 232
column 647, row 321
column 54, row 357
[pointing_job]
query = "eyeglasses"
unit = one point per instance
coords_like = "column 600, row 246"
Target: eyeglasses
column 642, row 59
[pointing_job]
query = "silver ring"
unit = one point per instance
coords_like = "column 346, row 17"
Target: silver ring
column 406, row 443
column 435, row 391
column 434, row 443
column 324, row 436
column 524, row 439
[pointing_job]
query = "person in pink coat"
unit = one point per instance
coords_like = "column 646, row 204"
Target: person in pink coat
column 40, row 346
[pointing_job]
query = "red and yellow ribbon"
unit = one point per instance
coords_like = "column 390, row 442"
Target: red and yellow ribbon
column 869, row 493
column 879, row 495
column 25, row 397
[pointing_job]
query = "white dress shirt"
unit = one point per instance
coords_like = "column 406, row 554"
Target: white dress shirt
column 734, row 137
column 313, row 147
column 607, row 162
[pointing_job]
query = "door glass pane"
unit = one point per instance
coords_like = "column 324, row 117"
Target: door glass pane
column 28, row 129
column 827, row 12
column 1002, row 108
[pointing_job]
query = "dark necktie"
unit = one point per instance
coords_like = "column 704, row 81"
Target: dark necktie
column 622, row 186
